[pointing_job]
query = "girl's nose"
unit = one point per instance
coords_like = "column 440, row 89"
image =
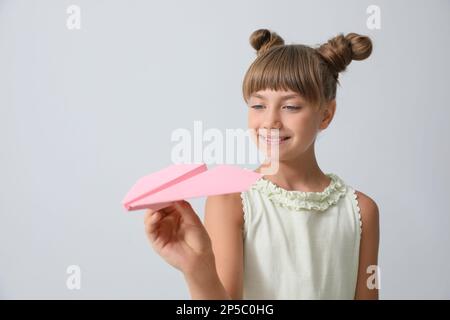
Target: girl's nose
column 272, row 121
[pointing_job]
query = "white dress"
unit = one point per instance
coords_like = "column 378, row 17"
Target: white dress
column 300, row 245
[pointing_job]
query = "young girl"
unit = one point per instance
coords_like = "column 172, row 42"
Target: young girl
column 296, row 234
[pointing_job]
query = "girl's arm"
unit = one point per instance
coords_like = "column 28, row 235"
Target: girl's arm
column 204, row 283
column 224, row 222
column 220, row 276
column 368, row 252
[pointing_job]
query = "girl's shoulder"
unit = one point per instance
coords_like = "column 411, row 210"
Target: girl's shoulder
column 369, row 212
column 366, row 203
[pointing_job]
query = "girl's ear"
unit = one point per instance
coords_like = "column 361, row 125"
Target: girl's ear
column 327, row 114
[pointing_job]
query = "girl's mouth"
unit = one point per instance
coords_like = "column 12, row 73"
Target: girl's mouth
column 273, row 140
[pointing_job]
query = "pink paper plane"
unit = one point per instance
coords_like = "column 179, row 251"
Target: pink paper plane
column 182, row 181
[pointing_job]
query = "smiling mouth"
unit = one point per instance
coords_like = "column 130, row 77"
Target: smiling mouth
column 273, row 140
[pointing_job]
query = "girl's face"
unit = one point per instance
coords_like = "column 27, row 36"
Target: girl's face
column 297, row 121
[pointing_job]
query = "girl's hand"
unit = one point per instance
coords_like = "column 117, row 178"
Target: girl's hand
column 177, row 234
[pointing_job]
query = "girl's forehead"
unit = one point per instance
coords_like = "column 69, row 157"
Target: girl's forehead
column 275, row 94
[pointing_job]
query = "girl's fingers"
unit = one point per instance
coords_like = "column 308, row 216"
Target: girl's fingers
column 161, row 223
column 148, row 215
column 187, row 212
column 152, row 220
column 170, row 209
column 165, row 211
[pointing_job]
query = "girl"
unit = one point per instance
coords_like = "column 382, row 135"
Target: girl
column 296, row 234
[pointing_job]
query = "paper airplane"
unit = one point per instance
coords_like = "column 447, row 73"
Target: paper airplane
column 182, row 181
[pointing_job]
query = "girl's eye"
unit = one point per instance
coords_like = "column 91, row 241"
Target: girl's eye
column 293, row 108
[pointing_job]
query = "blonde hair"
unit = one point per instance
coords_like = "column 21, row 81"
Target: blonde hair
column 311, row 72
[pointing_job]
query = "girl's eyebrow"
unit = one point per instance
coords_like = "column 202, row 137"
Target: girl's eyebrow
column 289, row 96
column 257, row 96
column 286, row 97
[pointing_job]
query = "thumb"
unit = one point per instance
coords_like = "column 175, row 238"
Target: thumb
column 187, row 212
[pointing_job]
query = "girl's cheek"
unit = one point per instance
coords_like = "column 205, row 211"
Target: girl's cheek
column 253, row 122
column 252, row 125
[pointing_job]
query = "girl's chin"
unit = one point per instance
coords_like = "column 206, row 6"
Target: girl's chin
column 281, row 149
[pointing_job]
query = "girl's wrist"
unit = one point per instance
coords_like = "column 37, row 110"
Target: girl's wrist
column 206, row 286
column 203, row 268
column 204, row 262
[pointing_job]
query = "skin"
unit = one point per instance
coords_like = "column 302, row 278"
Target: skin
column 210, row 255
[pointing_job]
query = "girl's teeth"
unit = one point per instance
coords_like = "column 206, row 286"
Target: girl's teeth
column 274, row 141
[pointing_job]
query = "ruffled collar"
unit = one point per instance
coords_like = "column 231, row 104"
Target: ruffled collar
column 297, row 200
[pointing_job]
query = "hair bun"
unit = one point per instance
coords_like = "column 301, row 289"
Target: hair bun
column 262, row 40
column 339, row 51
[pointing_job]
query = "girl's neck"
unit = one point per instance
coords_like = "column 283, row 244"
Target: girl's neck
column 300, row 174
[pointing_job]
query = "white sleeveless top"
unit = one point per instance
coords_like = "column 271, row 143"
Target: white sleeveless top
column 300, row 245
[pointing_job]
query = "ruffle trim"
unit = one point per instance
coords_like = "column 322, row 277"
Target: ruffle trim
column 244, row 205
column 358, row 210
column 245, row 209
column 297, row 200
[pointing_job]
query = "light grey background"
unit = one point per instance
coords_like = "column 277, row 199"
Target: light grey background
column 85, row 113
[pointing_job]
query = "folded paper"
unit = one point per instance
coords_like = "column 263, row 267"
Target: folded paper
column 183, row 181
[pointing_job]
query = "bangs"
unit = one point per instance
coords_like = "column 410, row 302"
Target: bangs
column 288, row 67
